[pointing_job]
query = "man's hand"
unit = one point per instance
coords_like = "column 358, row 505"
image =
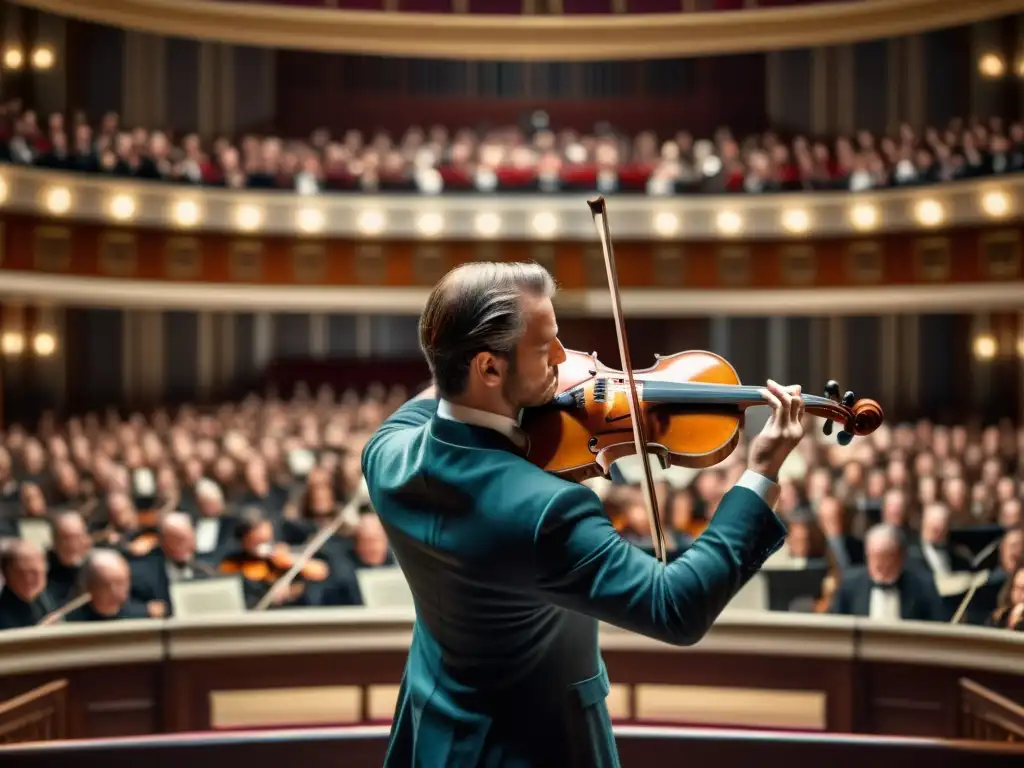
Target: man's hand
column 781, row 434
column 156, row 609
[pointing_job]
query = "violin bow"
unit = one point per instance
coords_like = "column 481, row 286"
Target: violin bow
column 599, row 210
column 362, row 494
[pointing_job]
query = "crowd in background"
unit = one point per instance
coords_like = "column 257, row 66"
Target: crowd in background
column 119, row 509
column 512, row 159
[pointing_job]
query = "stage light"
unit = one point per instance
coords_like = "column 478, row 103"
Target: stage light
column 44, row 344
column 310, row 220
column 371, row 222
column 186, row 213
column 985, row 346
column 248, row 218
column 545, row 224
column 42, row 57
column 995, row 204
column 666, row 224
column 12, row 343
column 13, row 59
column 58, row 200
column 796, row 220
column 729, row 222
column 122, row 207
column 430, row 224
column 929, row 213
column 864, row 216
column 992, row 65
column 487, row 224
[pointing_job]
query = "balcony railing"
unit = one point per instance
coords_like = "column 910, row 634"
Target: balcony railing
column 118, row 202
column 987, row 716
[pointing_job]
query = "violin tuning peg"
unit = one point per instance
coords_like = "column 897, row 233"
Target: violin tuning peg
column 849, row 399
column 844, row 438
column 827, row 428
column 832, row 390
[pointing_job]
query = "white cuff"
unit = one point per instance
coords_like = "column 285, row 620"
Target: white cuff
column 768, row 490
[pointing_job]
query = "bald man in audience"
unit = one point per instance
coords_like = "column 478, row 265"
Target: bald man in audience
column 932, row 549
column 71, row 545
column 23, row 601
column 173, row 561
column 886, row 588
column 107, row 578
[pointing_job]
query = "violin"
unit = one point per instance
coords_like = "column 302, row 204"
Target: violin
column 691, row 404
column 271, row 566
column 687, row 409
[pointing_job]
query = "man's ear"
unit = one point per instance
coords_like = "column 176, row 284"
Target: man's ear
column 490, row 369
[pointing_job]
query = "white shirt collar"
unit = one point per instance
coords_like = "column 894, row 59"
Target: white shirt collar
column 503, row 424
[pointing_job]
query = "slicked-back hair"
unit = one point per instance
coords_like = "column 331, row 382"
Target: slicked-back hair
column 477, row 308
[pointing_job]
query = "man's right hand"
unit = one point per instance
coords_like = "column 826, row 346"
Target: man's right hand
column 781, row 434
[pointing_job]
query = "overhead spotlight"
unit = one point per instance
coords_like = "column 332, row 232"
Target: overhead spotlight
column 985, row 346
column 796, row 220
column 729, row 222
column 487, row 224
column 12, row 343
column 122, row 207
column 310, row 220
column 666, row 224
column 44, row 344
column 992, row 65
column 430, row 224
column 186, row 213
column 248, row 217
column 929, row 213
column 58, row 200
column 996, row 204
column 545, row 224
column 42, row 57
column 864, row 216
column 371, row 222
column 13, row 58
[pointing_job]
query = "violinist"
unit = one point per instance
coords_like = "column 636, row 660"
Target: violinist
column 122, row 526
column 511, row 566
column 261, row 561
column 172, row 561
column 1009, row 612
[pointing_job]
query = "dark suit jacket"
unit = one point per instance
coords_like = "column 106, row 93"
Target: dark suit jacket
column 919, row 600
column 150, row 580
column 15, row 613
column 511, row 568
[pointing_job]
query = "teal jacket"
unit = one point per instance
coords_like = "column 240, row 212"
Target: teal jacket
column 511, row 569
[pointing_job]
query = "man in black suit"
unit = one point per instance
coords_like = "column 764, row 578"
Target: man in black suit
column 887, row 587
column 174, row 560
column 106, row 576
column 71, row 545
column 23, row 601
column 932, row 550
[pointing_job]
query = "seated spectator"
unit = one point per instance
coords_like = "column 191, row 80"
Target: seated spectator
column 886, row 588
column 71, row 547
column 23, row 602
column 173, row 560
column 106, row 577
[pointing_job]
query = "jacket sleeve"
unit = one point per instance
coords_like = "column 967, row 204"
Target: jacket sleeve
column 584, row 564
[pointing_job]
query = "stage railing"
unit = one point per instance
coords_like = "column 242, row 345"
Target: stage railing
column 987, row 716
column 39, row 715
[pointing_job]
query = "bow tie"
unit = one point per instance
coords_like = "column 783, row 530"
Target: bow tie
column 891, row 587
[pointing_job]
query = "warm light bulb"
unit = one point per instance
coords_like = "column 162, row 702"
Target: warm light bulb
column 122, row 207
column 985, row 346
column 58, row 200
column 44, row 344
column 729, row 222
column 666, row 224
column 186, row 213
column 42, row 58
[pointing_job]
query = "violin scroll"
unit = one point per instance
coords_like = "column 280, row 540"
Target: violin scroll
column 865, row 416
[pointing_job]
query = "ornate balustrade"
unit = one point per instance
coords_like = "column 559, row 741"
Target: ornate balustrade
column 321, row 667
column 596, row 37
column 538, row 218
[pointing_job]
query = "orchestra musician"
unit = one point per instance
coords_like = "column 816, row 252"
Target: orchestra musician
column 23, row 600
column 106, row 578
column 1009, row 612
column 512, row 567
column 71, row 546
column 172, row 561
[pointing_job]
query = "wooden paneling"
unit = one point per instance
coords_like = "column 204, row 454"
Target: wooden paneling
column 960, row 256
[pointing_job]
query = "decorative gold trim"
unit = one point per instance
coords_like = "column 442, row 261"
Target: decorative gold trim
column 734, row 265
column 864, row 262
column 530, row 37
column 183, row 258
column 429, row 264
column 669, row 265
column 246, row 261
column 933, row 259
column 118, row 253
column 309, row 262
column 370, row 264
column 798, row 264
column 997, row 271
column 45, row 259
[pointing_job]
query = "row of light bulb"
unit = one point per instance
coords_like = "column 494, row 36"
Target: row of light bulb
column 41, row 58
column 986, row 347
column 13, row 343
column 797, row 221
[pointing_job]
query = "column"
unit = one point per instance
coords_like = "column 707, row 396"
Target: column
column 206, row 351
column 916, row 83
column 986, row 38
column 135, row 81
column 774, row 88
column 719, row 335
column 894, row 81
column 778, row 349
column 910, row 372
column 890, row 359
column 820, row 90
column 51, row 84
column 206, row 90
column 262, row 340
column 846, row 73
column 318, row 335
column 226, row 368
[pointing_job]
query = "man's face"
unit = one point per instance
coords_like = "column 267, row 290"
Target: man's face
column 883, row 561
column 28, row 576
column 71, row 541
column 533, row 380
